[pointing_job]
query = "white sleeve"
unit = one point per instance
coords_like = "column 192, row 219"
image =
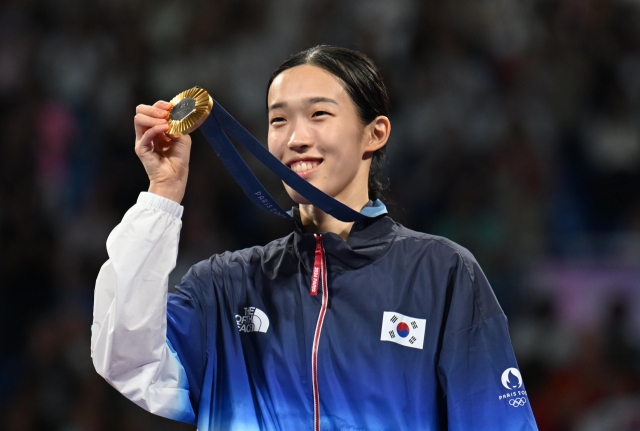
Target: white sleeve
column 128, row 335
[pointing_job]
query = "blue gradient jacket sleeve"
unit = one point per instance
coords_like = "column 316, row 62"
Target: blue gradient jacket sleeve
column 482, row 387
column 186, row 327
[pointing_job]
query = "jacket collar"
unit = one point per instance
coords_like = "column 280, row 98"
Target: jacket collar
column 368, row 240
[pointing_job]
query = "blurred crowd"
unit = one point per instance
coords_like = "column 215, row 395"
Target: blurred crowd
column 516, row 133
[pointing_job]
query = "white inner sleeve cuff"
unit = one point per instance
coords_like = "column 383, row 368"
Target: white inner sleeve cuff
column 161, row 203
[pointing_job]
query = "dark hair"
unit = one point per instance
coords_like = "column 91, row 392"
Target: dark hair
column 363, row 83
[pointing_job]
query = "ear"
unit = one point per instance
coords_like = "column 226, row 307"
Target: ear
column 378, row 133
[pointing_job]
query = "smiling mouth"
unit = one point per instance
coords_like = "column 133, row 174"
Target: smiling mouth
column 304, row 166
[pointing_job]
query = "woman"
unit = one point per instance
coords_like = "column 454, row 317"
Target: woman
column 337, row 326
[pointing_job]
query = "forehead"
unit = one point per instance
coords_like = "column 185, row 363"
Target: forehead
column 304, row 82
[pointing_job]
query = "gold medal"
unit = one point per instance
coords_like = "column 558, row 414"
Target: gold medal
column 190, row 109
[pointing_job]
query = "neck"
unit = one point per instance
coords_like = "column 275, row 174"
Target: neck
column 314, row 220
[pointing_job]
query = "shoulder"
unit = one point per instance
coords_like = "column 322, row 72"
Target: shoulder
column 243, row 261
column 234, row 266
column 254, row 255
column 437, row 247
column 469, row 286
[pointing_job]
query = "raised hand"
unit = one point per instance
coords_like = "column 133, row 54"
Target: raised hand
column 166, row 160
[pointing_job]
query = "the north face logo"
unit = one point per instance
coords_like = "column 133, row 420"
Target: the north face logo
column 254, row 320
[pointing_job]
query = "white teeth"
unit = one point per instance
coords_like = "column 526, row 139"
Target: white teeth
column 303, row 166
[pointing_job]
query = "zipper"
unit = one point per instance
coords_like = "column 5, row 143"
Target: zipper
column 317, row 266
column 318, row 277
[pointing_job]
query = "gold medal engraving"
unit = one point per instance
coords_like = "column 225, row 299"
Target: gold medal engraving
column 190, row 109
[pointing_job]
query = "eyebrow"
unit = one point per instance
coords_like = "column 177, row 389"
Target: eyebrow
column 309, row 101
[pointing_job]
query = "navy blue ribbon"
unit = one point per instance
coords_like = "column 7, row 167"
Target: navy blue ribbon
column 214, row 128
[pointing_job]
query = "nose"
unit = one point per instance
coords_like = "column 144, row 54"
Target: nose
column 300, row 138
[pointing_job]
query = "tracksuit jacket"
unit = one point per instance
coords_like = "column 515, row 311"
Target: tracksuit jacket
column 389, row 330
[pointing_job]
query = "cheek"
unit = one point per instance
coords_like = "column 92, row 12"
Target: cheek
column 346, row 150
column 273, row 144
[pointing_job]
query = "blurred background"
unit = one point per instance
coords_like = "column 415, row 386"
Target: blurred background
column 516, row 133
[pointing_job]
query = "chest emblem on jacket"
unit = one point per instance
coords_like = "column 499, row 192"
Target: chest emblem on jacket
column 404, row 330
column 254, row 320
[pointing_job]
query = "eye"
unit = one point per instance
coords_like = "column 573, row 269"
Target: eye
column 319, row 113
column 276, row 120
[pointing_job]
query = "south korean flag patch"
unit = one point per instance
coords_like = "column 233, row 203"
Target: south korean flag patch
column 404, row 330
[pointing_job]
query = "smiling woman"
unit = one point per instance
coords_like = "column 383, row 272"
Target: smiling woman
column 337, row 326
column 362, row 81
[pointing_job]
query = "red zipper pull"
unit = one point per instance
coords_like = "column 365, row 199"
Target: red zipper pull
column 317, row 266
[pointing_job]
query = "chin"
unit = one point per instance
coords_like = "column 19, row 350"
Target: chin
column 297, row 197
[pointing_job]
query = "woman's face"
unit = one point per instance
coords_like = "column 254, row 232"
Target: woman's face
column 315, row 130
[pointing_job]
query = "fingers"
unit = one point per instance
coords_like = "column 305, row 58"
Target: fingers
column 150, row 116
column 145, row 143
column 143, row 122
column 159, row 109
column 163, row 105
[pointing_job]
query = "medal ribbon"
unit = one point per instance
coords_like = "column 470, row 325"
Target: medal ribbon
column 215, row 129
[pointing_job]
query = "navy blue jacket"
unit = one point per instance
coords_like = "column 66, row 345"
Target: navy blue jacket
column 243, row 325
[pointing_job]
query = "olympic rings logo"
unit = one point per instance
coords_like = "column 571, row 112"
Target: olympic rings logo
column 517, row 402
